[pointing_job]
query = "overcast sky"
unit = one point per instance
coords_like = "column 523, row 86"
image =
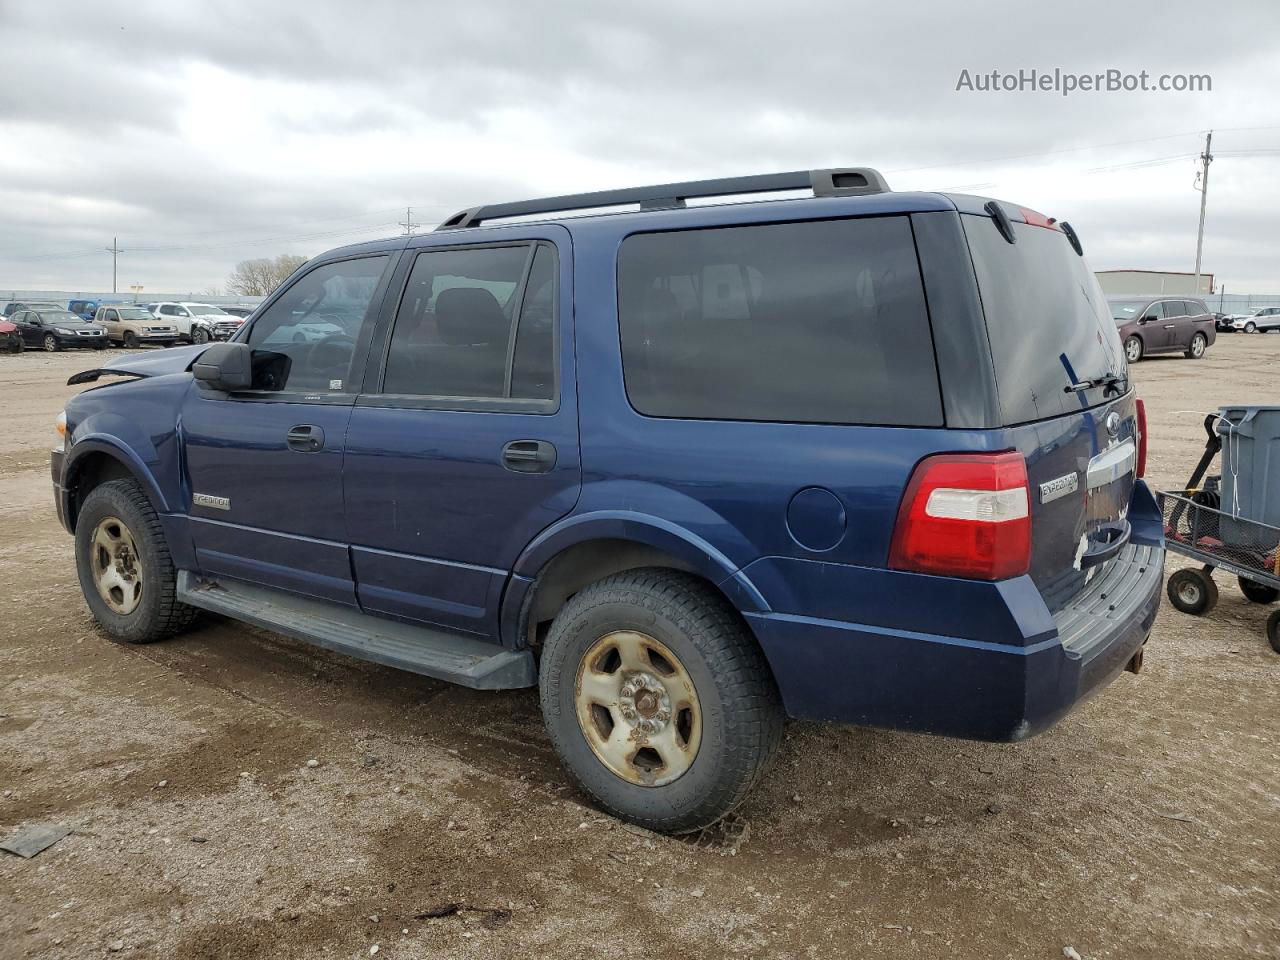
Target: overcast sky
column 204, row 134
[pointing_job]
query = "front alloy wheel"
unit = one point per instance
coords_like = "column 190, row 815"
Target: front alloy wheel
column 51, row 343
column 1250, row 327
column 199, row 335
column 1133, row 349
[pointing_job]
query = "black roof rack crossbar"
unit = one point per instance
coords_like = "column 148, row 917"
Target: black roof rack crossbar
column 824, row 183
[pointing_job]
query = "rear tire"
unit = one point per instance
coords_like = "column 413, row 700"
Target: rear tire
column 1133, row 349
column 1196, row 350
column 1258, row 592
column 1273, row 630
column 126, row 572
column 658, row 699
column 1192, row 591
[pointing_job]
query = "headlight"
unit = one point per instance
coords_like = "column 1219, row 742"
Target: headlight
column 65, row 333
column 60, row 424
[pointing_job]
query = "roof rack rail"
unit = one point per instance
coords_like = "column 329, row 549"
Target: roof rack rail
column 840, row 182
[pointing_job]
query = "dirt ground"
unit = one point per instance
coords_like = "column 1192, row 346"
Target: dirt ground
column 1146, row 825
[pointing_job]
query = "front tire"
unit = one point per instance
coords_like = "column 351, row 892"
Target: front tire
column 199, row 335
column 1250, row 327
column 1273, row 630
column 51, row 343
column 1193, row 591
column 130, row 340
column 658, row 699
column 1196, row 350
column 1133, row 349
column 125, row 569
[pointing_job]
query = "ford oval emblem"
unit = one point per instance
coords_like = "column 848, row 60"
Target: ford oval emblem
column 1113, row 424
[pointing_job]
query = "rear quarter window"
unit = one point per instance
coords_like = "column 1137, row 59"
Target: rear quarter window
column 813, row 322
column 1048, row 322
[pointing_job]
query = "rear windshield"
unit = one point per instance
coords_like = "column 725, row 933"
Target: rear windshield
column 816, row 322
column 1048, row 322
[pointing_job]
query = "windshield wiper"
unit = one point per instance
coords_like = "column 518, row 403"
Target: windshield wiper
column 1108, row 379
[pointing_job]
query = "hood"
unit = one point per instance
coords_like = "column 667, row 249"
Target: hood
column 155, row 363
column 77, row 324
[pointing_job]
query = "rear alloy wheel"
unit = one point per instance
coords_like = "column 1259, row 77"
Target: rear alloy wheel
column 1133, row 349
column 1196, row 350
column 1256, row 592
column 658, row 699
column 1193, row 591
column 130, row 339
column 1250, row 327
column 51, row 343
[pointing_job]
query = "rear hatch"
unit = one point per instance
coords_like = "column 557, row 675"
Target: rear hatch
column 1064, row 393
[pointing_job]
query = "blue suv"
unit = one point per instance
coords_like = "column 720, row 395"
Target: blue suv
column 689, row 468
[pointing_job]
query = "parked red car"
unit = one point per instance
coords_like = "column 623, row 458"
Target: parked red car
column 1163, row 325
column 10, row 338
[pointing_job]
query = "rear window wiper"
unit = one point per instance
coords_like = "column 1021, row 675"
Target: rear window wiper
column 1106, row 380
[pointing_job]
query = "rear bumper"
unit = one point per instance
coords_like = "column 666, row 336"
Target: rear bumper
column 949, row 684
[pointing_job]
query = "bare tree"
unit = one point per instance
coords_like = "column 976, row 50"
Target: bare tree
column 257, row 278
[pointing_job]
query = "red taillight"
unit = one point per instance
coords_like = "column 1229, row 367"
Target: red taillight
column 965, row 515
column 1141, row 468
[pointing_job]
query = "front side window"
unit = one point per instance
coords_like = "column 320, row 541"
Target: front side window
column 306, row 340
column 168, row 310
column 817, row 322
column 476, row 323
column 1173, row 309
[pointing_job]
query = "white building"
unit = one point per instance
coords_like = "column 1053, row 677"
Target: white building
column 1143, row 282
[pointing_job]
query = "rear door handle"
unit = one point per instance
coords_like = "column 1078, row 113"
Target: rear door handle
column 529, row 456
column 305, row 438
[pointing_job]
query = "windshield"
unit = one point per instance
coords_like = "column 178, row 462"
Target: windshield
column 135, row 313
column 206, row 310
column 1048, row 322
column 58, row 316
column 1126, row 310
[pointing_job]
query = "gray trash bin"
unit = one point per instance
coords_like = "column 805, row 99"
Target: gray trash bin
column 1250, row 475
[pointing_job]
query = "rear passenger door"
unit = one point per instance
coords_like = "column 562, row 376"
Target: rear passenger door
column 1173, row 328
column 464, row 445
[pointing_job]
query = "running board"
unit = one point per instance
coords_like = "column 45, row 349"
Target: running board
column 434, row 653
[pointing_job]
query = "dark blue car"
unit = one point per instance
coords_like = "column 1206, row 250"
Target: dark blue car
column 860, row 456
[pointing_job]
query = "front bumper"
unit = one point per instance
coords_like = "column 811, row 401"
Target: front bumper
column 57, row 459
column 946, row 684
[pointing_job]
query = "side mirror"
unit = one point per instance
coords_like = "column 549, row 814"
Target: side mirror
column 1149, row 318
column 225, row 366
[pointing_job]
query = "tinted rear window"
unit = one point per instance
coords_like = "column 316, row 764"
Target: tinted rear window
column 817, row 322
column 1048, row 322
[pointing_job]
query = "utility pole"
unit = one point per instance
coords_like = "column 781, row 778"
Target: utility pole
column 115, row 251
column 1205, row 158
column 407, row 222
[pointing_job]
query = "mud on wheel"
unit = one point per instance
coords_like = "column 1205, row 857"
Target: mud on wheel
column 126, row 573
column 658, row 699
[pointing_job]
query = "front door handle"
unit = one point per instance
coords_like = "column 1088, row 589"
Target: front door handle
column 529, row 456
column 305, row 438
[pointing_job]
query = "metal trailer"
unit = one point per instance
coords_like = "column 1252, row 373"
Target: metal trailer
column 1193, row 527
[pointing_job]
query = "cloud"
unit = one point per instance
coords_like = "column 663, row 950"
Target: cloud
column 206, row 133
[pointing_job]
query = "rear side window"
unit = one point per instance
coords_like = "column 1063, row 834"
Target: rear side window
column 815, row 322
column 1047, row 320
column 476, row 323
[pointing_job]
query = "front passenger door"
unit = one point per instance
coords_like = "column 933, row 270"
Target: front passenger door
column 265, row 465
